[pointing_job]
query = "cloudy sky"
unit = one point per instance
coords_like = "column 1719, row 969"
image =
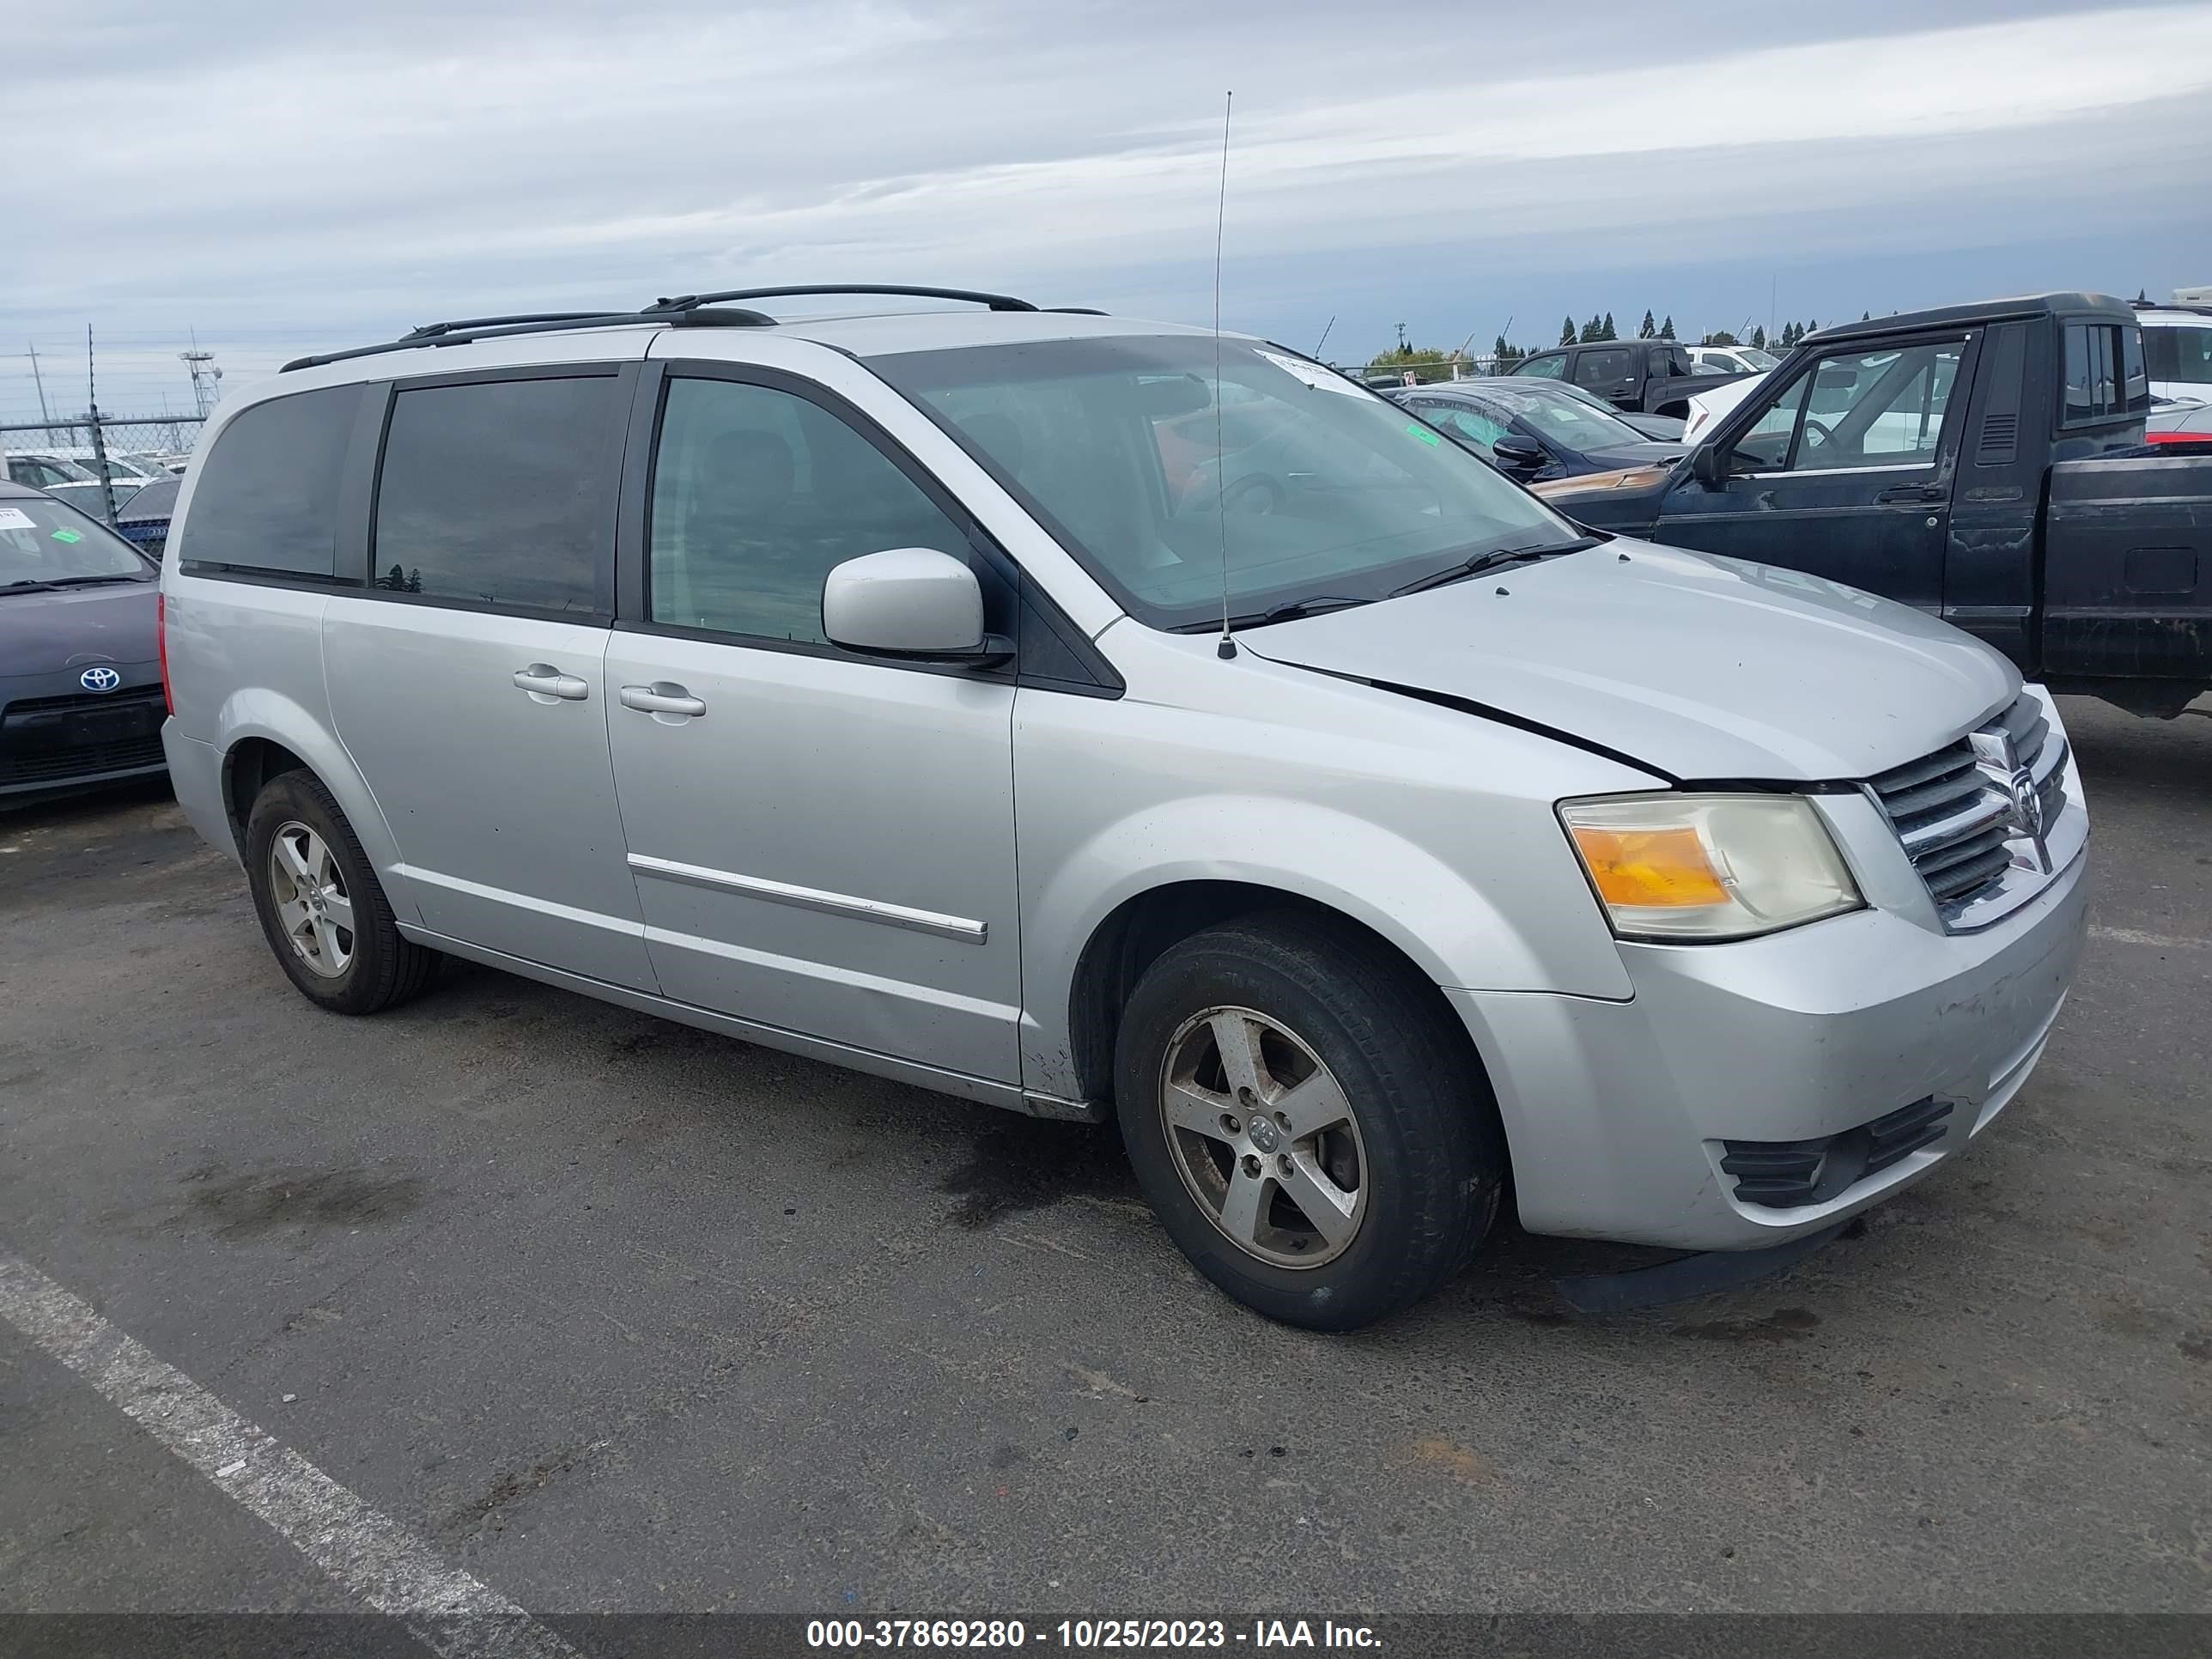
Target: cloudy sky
column 271, row 177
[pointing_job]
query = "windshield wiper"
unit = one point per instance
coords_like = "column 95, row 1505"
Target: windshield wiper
column 1490, row 560
column 89, row 581
column 1292, row 609
column 26, row 587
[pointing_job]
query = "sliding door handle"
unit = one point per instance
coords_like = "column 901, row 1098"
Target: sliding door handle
column 661, row 697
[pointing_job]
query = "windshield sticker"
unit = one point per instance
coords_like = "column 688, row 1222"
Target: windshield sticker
column 14, row 518
column 69, row 535
column 1423, row 434
column 1321, row 379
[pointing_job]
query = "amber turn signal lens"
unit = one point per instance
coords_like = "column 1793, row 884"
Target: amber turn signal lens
column 1646, row 868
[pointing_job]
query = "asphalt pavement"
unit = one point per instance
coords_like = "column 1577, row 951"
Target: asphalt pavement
column 608, row 1314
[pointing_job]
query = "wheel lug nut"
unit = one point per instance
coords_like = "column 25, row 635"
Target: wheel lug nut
column 1251, row 1165
column 1284, row 1163
column 1231, row 1124
column 1283, row 1121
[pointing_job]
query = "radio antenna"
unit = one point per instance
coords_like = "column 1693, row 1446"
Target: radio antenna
column 1227, row 650
column 1323, row 341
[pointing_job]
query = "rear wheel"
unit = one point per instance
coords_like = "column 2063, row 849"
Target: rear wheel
column 320, row 905
column 1304, row 1122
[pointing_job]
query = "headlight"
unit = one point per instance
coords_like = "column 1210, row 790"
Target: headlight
column 1709, row 867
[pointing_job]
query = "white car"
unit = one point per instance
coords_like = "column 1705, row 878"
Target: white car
column 2177, row 351
column 1731, row 360
column 1706, row 408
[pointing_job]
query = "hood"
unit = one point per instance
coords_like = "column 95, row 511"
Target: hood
column 1631, row 478
column 1702, row 668
column 76, row 628
column 1615, row 458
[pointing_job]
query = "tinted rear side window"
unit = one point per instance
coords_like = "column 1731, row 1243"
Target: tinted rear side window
column 267, row 497
column 501, row 493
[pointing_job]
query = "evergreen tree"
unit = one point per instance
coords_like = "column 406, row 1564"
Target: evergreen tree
column 1650, row 329
column 1759, row 336
column 1589, row 329
column 1606, row 331
column 1567, row 332
column 1667, row 328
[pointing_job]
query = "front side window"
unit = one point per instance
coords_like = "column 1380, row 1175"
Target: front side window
column 1600, row 368
column 1480, row 427
column 267, row 496
column 1766, row 447
column 1864, row 409
column 1552, row 367
column 501, row 493
column 757, row 495
column 42, row 474
column 2179, row 354
column 45, row 542
column 1317, row 487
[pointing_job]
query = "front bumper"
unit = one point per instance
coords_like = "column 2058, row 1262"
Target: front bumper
column 1616, row 1112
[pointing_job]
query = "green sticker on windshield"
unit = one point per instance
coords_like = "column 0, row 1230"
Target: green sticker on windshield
column 1423, row 434
column 69, row 535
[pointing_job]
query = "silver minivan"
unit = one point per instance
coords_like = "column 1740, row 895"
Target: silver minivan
column 1098, row 718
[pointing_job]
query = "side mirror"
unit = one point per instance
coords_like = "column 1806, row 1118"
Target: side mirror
column 1709, row 466
column 909, row 602
column 1518, row 454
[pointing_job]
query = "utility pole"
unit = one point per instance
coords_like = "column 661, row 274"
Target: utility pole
column 41, row 381
column 1402, row 339
column 99, row 444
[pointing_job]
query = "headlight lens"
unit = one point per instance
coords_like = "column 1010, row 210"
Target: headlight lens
column 1709, row 867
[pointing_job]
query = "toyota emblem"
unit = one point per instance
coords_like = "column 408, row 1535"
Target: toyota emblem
column 100, row 679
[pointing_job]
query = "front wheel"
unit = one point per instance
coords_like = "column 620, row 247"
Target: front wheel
column 1304, row 1122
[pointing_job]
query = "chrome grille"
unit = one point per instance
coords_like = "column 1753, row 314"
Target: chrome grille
column 1962, row 821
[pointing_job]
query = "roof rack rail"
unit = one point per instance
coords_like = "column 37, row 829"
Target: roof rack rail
column 1078, row 311
column 995, row 301
column 546, row 322
column 429, row 329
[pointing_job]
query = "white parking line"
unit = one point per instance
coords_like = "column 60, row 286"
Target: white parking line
column 364, row 1549
column 2157, row 941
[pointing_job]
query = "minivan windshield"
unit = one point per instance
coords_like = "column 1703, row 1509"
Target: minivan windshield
column 44, row 543
column 1321, row 490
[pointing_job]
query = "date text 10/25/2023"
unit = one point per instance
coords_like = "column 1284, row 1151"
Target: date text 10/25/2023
column 1088, row 1635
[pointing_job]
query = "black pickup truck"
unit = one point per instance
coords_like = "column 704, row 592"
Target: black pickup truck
column 1654, row 377
column 1985, row 463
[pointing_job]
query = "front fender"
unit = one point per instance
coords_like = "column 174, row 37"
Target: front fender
column 1450, row 929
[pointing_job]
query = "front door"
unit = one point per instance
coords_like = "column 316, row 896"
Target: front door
column 465, row 681
column 1846, row 472
column 821, row 841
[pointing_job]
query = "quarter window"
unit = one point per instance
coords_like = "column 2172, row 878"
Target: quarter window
column 2106, row 377
column 1550, row 368
column 756, row 495
column 267, row 498
column 501, row 493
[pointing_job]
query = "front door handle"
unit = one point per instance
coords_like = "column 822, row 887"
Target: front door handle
column 661, row 697
column 546, row 682
column 1918, row 494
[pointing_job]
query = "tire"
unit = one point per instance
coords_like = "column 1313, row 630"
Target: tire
column 360, row 969
column 1421, row 1145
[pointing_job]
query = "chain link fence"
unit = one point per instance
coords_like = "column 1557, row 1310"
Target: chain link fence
column 120, row 469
